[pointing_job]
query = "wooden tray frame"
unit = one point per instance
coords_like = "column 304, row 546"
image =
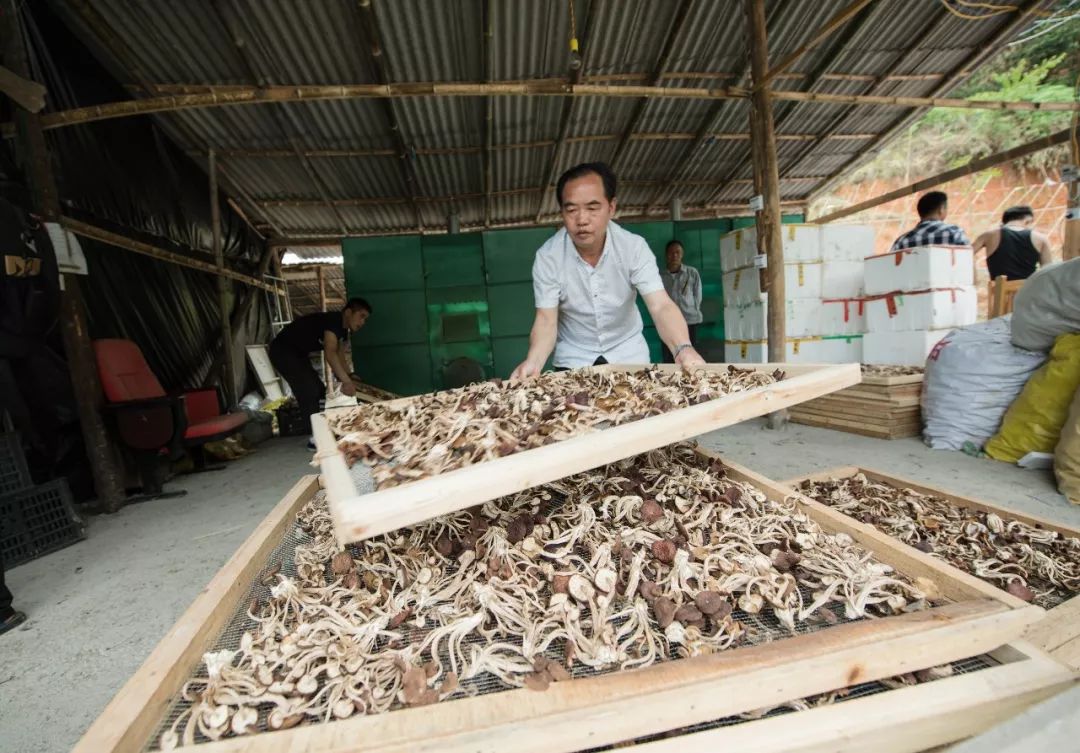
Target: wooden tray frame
column 1058, row 633
column 358, row 517
column 971, row 503
column 587, row 712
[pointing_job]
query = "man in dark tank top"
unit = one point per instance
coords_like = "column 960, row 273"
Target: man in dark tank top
column 1014, row 249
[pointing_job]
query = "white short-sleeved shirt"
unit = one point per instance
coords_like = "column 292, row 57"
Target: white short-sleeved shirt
column 597, row 311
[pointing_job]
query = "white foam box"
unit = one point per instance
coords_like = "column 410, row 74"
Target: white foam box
column 749, row 321
column 912, row 269
column 842, row 279
column 900, row 348
column 737, row 249
column 846, row 242
column 806, row 317
column 932, row 309
column 801, row 280
column 801, row 243
column 842, row 316
column 843, row 349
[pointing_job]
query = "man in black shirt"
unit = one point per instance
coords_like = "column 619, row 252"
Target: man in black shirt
column 1014, row 249
column 291, row 350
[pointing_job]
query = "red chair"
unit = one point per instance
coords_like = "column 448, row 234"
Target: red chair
column 152, row 423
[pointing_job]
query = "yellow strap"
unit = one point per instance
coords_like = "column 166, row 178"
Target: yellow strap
column 743, row 347
column 738, row 239
column 796, row 348
column 738, row 274
column 802, row 275
column 791, row 232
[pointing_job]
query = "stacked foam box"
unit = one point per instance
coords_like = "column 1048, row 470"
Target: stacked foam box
column 914, row 297
column 823, row 279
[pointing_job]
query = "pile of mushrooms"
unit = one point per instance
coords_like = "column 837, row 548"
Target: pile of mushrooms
column 645, row 560
column 435, row 433
column 1034, row 564
column 877, row 370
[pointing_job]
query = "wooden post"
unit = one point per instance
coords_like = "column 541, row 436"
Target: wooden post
column 320, row 272
column 766, row 180
column 82, row 365
column 228, row 381
column 1070, row 248
column 767, row 185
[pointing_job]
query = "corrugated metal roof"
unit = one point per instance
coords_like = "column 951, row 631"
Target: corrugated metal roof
column 245, row 42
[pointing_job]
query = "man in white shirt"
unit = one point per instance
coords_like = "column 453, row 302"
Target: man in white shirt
column 586, row 279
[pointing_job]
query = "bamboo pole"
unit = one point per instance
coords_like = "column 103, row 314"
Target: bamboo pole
column 314, row 93
column 543, row 144
column 834, row 23
column 223, row 285
column 889, row 101
column 1046, row 142
column 96, row 233
column 74, row 328
column 767, row 179
column 363, row 201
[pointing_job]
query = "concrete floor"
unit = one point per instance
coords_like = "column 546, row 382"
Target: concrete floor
column 98, row 608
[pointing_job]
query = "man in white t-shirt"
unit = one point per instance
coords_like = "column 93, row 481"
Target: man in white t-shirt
column 586, row 279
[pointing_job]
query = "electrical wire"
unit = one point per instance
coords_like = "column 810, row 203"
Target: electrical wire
column 995, row 11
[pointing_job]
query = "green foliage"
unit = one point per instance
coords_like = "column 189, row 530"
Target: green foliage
column 946, row 138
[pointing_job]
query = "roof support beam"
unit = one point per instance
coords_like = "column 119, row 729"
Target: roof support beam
column 1021, row 17
column 374, row 201
column 96, row 233
column 975, row 166
column 280, row 116
column 382, row 70
column 834, row 23
column 677, row 24
column 366, row 153
column 123, row 57
column 487, row 36
column 568, row 104
column 272, row 94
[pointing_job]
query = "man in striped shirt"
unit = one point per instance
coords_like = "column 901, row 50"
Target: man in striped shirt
column 932, row 229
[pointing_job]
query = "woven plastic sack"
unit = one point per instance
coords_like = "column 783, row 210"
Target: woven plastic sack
column 1033, row 423
column 1067, row 454
column 972, row 376
column 1046, row 306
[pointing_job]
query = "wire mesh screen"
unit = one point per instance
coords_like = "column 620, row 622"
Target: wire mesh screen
column 759, row 628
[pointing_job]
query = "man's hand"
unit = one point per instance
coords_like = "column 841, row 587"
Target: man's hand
column 689, row 359
column 348, row 388
column 526, row 369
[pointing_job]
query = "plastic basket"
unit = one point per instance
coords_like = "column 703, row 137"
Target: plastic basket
column 36, row 521
column 14, row 474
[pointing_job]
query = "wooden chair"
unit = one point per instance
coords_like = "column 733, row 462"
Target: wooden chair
column 1002, row 294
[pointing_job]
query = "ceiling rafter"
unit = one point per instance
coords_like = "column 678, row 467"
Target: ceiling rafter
column 958, row 74
column 280, row 115
column 853, row 23
column 383, row 76
column 120, row 54
column 678, row 22
column 569, row 102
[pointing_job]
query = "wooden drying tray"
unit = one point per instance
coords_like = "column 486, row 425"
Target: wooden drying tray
column 358, row 517
column 619, row 706
column 1059, row 631
column 971, row 503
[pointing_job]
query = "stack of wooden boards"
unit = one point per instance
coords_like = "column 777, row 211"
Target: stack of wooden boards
column 885, row 407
